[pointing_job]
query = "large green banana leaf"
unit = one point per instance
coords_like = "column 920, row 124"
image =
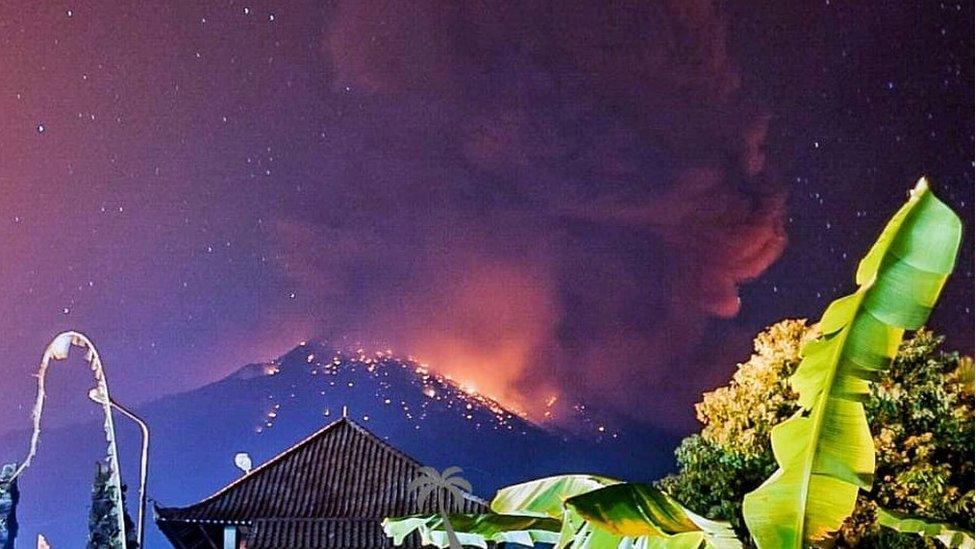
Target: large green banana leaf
column 641, row 515
column 950, row 536
column 476, row 530
column 547, row 511
column 564, row 496
column 531, row 510
column 546, row 496
column 825, row 452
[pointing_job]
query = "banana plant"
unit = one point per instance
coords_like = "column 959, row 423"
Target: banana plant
column 582, row 511
column 825, row 452
column 531, row 510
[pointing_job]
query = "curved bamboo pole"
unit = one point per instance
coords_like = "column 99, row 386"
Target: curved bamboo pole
column 58, row 349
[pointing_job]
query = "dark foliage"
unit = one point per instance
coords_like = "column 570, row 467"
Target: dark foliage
column 921, row 417
column 103, row 530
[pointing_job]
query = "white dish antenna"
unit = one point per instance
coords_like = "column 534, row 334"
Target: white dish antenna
column 243, row 462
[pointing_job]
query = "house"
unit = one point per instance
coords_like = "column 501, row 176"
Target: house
column 331, row 490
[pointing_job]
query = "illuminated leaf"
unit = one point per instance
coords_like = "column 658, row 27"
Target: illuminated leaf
column 950, row 536
column 649, row 518
column 825, row 452
column 546, row 496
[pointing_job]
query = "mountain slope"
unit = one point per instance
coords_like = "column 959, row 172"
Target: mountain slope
column 264, row 408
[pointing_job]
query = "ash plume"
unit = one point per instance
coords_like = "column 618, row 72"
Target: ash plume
column 549, row 200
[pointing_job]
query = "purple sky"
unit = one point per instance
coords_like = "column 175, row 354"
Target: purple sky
column 544, row 201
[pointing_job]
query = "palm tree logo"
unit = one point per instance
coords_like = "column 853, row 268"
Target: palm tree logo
column 447, row 487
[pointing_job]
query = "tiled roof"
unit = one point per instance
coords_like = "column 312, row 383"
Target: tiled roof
column 341, row 472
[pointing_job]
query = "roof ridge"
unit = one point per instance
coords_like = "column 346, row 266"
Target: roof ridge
column 403, row 454
column 308, row 439
column 274, row 459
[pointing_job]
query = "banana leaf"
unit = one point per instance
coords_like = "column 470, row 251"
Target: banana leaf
column 580, row 511
column 643, row 516
column 949, row 535
column 546, row 496
column 589, row 536
column 475, row 530
column 527, row 512
column 825, row 452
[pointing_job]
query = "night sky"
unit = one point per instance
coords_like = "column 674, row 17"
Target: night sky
column 603, row 204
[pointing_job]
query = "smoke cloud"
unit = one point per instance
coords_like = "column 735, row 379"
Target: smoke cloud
column 549, row 200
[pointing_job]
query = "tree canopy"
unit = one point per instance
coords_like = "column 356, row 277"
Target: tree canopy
column 921, row 419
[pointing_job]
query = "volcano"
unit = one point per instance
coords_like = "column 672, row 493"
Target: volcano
column 264, row 408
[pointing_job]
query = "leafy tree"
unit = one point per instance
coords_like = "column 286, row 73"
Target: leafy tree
column 921, row 419
column 103, row 529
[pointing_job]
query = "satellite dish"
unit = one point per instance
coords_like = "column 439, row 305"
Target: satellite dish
column 243, row 462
